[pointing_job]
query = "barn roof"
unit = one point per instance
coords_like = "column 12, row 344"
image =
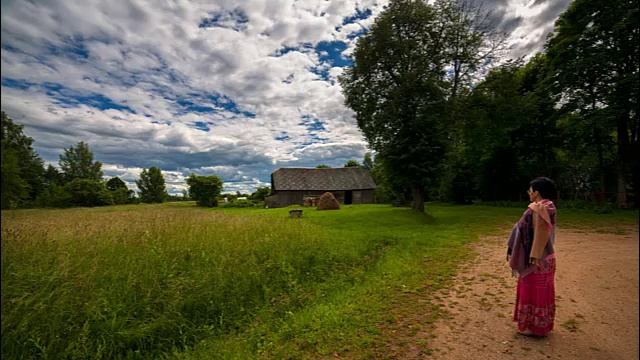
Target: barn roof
column 348, row 178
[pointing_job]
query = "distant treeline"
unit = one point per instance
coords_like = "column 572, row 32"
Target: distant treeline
column 79, row 181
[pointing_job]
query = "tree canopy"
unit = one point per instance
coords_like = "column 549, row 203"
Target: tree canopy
column 151, row 186
column 399, row 88
column 22, row 172
column 595, row 66
column 204, row 189
column 77, row 163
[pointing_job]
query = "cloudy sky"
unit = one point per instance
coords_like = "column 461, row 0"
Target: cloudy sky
column 232, row 88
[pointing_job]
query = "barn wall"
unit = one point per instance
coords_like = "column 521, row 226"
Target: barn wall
column 363, row 196
column 367, row 197
column 357, row 196
column 289, row 197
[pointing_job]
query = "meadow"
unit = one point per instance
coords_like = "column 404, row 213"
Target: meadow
column 182, row 282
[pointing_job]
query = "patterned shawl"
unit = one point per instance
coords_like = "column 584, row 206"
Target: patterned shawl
column 532, row 236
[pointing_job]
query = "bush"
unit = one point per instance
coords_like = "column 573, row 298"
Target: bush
column 328, row 202
column 204, row 189
column 87, row 192
column 54, row 196
column 122, row 196
column 239, row 204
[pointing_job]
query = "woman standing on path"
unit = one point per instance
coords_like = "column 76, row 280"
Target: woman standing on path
column 531, row 257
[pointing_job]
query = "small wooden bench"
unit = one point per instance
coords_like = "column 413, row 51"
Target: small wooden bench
column 295, row 213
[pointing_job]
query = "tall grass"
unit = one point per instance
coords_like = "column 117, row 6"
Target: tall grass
column 101, row 284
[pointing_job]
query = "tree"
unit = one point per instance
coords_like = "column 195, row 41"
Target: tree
column 88, row 192
column 204, row 189
column 119, row 191
column 14, row 187
column 151, row 186
column 396, row 87
column 595, row 59
column 352, row 163
column 387, row 189
column 122, row 196
column 77, row 163
column 471, row 41
column 115, row 183
column 54, row 194
column 261, row 193
column 367, row 163
column 323, row 166
column 22, row 169
column 52, row 176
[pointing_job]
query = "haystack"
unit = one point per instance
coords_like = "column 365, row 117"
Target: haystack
column 328, row 202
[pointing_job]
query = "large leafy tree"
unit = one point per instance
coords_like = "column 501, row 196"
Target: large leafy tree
column 77, row 163
column 512, row 126
column 22, row 169
column 396, row 89
column 595, row 57
column 205, row 189
column 496, row 112
column 151, row 186
column 471, row 41
column 82, row 178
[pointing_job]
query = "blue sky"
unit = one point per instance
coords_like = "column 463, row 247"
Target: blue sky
column 235, row 89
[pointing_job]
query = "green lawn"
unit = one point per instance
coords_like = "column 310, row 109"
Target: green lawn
column 177, row 281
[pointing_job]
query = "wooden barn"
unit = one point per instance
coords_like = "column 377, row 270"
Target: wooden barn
column 296, row 186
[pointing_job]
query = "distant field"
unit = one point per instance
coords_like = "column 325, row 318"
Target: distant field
column 177, row 281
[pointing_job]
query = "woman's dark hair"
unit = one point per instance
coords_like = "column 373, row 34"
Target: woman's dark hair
column 545, row 186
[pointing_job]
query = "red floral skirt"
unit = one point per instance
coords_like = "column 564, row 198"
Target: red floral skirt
column 535, row 306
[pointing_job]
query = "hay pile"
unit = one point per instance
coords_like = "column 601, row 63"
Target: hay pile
column 328, row 202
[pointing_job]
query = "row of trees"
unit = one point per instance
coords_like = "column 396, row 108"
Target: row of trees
column 367, row 163
column 79, row 181
column 570, row 112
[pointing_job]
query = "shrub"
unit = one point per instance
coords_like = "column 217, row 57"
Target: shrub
column 328, row 202
column 239, row 204
column 122, row 196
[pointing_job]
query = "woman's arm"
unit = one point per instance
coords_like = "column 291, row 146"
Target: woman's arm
column 541, row 232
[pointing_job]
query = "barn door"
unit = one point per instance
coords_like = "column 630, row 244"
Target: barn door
column 348, row 197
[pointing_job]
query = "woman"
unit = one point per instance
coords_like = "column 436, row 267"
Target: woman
column 531, row 257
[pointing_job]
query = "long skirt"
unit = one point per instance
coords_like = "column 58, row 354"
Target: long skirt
column 535, row 306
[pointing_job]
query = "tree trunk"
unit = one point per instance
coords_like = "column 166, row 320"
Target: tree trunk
column 622, row 127
column 418, row 198
column 621, row 199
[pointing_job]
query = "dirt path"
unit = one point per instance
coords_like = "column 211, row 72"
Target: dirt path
column 596, row 299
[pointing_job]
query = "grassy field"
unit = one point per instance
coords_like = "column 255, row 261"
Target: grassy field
column 177, row 281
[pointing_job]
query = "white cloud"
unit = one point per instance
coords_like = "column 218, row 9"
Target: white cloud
column 69, row 58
